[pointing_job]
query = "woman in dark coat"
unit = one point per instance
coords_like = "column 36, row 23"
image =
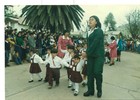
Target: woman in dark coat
column 95, row 57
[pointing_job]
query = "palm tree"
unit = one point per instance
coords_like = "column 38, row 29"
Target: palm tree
column 55, row 17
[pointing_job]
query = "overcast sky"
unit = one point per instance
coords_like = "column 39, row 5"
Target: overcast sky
column 119, row 11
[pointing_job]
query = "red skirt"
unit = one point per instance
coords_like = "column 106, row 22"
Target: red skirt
column 35, row 68
column 76, row 77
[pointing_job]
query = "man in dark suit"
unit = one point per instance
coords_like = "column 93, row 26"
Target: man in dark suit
column 95, row 57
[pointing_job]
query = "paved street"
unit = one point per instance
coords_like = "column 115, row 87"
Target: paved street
column 121, row 82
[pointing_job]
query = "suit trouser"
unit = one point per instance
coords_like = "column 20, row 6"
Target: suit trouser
column 54, row 73
column 94, row 72
column 90, row 83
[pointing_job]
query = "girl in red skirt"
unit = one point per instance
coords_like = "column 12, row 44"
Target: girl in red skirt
column 76, row 76
column 35, row 67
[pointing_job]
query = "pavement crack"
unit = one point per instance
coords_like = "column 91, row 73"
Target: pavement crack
column 129, row 92
column 138, row 77
column 28, row 88
column 25, row 89
column 122, row 87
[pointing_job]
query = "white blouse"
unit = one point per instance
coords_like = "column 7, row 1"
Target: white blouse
column 90, row 31
column 79, row 66
column 56, row 62
column 67, row 57
column 36, row 58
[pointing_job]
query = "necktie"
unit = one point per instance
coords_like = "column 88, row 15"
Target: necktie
column 53, row 62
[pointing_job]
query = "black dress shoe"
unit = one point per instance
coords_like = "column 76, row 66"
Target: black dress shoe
column 56, row 85
column 111, row 64
column 83, row 84
column 45, row 81
column 49, row 87
column 75, row 94
column 99, row 94
column 30, row 81
column 69, row 86
column 72, row 89
column 40, row 80
column 7, row 65
column 86, row 94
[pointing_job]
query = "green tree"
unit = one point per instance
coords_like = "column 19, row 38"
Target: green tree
column 9, row 13
column 133, row 19
column 110, row 22
column 56, row 18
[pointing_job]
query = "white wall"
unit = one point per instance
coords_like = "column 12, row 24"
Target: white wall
column 17, row 26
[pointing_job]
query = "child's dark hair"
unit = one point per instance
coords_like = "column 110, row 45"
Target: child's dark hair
column 112, row 38
column 49, row 48
column 106, row 43
column 33, row 50
column 65, row 31
column 70, row 47
column 76, row 57
column 54, row 50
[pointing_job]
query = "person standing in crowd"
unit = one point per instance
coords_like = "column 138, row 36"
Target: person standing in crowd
column 7, row 52
column 95, row 57
column 12, row 34
column 63, row 41
column 25, row 48
column 31, row 40
column 119, row 48
column 113, row 50
column 35, row 67
column 19, row 44
column 7, row 48
column 39, row 43
column 17, row 58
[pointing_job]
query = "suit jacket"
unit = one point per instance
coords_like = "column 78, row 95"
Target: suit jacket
column 95, row 44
